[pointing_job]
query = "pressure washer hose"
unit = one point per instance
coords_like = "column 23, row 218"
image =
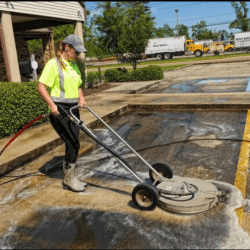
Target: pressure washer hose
column 21, row 131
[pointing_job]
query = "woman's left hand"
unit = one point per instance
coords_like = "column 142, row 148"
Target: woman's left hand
column 82, row 103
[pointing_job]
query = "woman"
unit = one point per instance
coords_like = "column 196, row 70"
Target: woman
column 64, row 78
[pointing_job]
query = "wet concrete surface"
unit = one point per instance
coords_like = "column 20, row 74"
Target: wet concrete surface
column 208, row 85
column 38, row 213
column 195, row 144
column 78, row 228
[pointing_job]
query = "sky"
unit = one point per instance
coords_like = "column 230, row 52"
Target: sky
column 190, row 13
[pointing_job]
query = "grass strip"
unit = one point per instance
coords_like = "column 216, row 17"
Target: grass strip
column 155, row 62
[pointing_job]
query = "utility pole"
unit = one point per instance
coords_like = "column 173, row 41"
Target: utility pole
column 176, row 11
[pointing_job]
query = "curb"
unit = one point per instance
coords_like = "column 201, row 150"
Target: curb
column 233, row 61
column 155, row 84
column 184, row 107
column 137, row 91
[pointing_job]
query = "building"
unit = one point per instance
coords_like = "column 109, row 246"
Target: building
column 22, row 21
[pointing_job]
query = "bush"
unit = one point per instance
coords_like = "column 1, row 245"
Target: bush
column 81, row 66
column 20, row 103
column 137, row 75
column 112, row 75
column 92, row 77
column 152, row 72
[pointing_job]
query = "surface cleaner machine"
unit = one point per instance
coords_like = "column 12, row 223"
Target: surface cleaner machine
column 177, row 195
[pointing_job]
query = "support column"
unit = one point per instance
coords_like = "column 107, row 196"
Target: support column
column 79, row 32
column 9, row 48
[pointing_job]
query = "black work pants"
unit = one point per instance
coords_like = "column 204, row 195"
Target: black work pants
column 68, row 131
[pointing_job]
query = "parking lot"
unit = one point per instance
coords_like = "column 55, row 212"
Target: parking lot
column 210, row 144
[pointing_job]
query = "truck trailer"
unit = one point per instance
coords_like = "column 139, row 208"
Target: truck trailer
column 242, row 41
column 167, row 47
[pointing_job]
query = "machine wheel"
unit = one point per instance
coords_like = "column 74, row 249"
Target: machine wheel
column 230, row 50
column 159, row 56
column 162, row 169
column 216, row 52
column 198, row 53
column 168, row 56
column 145, row 196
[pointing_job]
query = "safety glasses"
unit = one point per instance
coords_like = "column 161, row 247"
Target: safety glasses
column 76, row 52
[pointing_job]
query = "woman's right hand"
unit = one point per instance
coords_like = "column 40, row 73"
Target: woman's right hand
column 54, row 111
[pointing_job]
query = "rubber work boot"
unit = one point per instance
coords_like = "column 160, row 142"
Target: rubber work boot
column 70, row 180
column 65, row 163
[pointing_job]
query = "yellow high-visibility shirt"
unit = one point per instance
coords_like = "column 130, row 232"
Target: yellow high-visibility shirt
column 64, row 83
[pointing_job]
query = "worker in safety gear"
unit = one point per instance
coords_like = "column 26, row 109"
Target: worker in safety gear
column 64, row 78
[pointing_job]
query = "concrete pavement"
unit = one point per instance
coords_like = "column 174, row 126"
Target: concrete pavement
column 38, row 213
column 38, row 140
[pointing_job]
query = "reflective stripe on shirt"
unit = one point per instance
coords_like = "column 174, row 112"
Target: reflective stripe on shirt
column 62, row 89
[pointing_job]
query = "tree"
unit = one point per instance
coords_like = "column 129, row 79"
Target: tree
column 60, row 32
column 164, row 31
column 231, row 35
column 138, row 28
column 223, row 35
column 34, row 44
column 109, row 24
column 183, row 30
column 241, row 22
column 199, row 32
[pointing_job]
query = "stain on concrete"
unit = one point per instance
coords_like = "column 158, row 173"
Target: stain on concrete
column 162, row 128
column 76, row 226
column 40, row 214
column 210, row 85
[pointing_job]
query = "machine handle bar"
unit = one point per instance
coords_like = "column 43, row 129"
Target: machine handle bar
column 90, row 110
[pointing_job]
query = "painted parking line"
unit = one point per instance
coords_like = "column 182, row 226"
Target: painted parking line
column 241, row 176
column 212, row 81
column 248, row 86
column 242, row 168
column 182, row 87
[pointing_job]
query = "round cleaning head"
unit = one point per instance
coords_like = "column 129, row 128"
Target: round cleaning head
column 206, row 197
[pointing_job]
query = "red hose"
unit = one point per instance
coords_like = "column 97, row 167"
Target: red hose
column 20, row 132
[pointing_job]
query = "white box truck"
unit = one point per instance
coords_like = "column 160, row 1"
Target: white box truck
column 242, row 41
column 167, row 47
